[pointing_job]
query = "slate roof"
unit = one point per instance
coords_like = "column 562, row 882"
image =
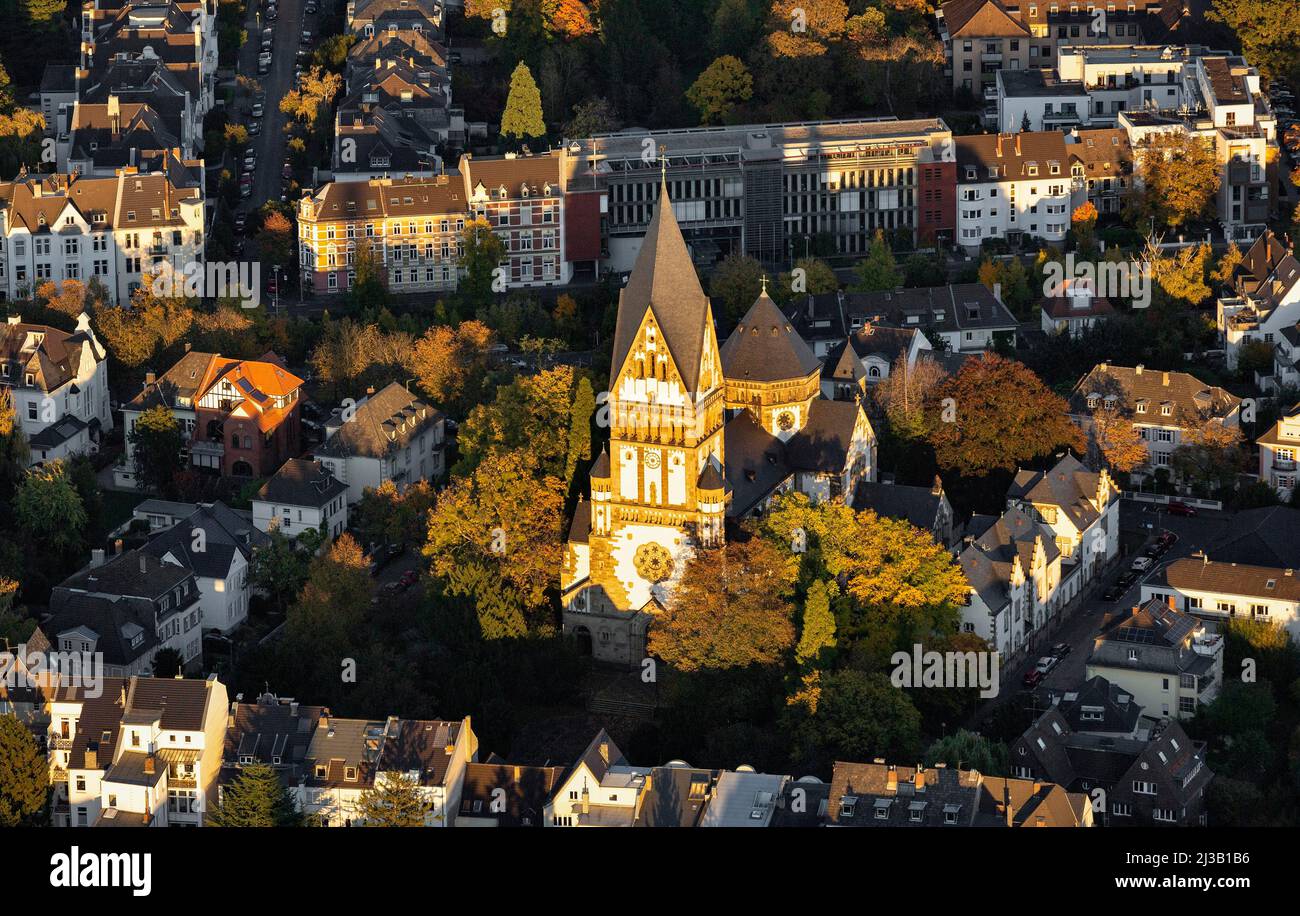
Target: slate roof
column 663, row 280
column 301, row 483
column 192, row 374
column 756, row 463
column 988, row 561
column 527, row 790
column 133, row 573
column 338, row 744
column 180, row 702
column 1098, row 706
column 1157, row 632
column 419, row 745
column 899, row 314
column 764, row 347
column 381, row 425
column 225, row 532
column 822, row 444
column 1260, row 537
column 676, row 797
column 267, row 730
column 918, row 505
column 1069, row 486
column 52, row 356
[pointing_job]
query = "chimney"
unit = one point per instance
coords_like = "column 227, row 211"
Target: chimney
column 142, row 564
column 97, row 557
column 998, row 149
column 937, row 489
column 1173, row 604
column 149, row 765
column 149, row 378
column 117, row 547
column 1137, row 370
column 586, row 800
column 920, row 778
column 1017, row 144
column 997, row 291
column 891, row 781
column 1164, row 379
column 1006, row 803
column 92, row 758
column 115, row 117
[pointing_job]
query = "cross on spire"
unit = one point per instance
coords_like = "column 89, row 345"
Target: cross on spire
column 764, row 284
column 663, row 163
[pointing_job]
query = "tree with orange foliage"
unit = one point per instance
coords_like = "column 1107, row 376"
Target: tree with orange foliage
column 66, row 298
column 568, row 19
column 1115, row 442
column 451, row 364
column 806, row 28
column 995, row 414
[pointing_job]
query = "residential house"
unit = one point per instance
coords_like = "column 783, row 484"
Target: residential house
column 1167, row 408
column 1277, row 453
column 1169, row 660
column 118, row 230
column 879, row 794
column 216, row 543
column 601, row 790
column 962, row 317
column 1082, row 510
column 1076, row 312
column 1014, row 571
column 676, row 795
column 127, row 608
column 1259, row 537
column 1263, row 299
column 925, row 507
column 271, row 731
column 501, row 794
column 1102, row 159
column 146, row 752
column 523, row 200
column 1213, row 590
column 1150, row 775
column 349, row 757
column 301, row 496
column 392, row 436
column 58, row 383
column 744, row 798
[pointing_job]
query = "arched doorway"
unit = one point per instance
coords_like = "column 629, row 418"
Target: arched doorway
column 241, row 469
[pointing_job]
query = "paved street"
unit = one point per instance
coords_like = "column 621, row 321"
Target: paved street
column 1083, row 621
column 270, row 144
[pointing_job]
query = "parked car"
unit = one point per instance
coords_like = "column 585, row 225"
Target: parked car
column 1060, row 650
column 1114, row 593
column 1046, row 664
column 254, row 128
column 258, row 110
column 1033, row 677
column 1126, row 581
column 1167, row 539
column 287, row 171
column 306, row 37
column 1141, row 564
column 409, row 578
column 1181, row 508
column 311, row 6
column 272, row 13
column 241, row 222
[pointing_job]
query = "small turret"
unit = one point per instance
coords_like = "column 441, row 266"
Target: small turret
column 601, row 492
column 711, row 497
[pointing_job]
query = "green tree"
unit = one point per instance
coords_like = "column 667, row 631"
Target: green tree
column 156, row 441
column 49, row 510
column 532, row 413
column 1269, row 32
column 878, row 270
column 1179, row 180
column 523, row 115
column 853, row 715
column 737, row 281
column 580, row 414
column 167, row 662
column 396, row 801
column 724, row 85
column 969, row 751
column 482, row 252
column 817, row 635
column 24, row 776
column 280, row 568
column 255, row 798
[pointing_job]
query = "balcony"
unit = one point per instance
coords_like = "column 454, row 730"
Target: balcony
column 1284, row 464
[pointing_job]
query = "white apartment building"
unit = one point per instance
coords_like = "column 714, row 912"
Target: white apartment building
column 1263, row 305
column 1011, row 186
column 388, row 436
column 142, row 752
column 348, row 758
column 116, row 230
column 1014, row 571
column 1215, row 590
column 1278, row 449
column 602, row 789
column 301, row 497
column 59, row 386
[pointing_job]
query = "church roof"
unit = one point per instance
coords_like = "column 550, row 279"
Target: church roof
column 600, row 470
column 663, row 279
column 765, row 347
column 710, row 479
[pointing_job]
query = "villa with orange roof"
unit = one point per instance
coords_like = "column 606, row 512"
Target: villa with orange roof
column 239, row 418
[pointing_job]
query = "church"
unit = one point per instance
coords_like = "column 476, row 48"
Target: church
column 699, row 434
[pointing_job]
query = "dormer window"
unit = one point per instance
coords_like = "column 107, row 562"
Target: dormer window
column 350, row 774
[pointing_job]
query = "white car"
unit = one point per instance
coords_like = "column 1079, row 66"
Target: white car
column 1141, row 564
column 1046, row 664
column 257, row 109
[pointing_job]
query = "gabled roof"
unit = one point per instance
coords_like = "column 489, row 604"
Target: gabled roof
column 419, row 746
column 822, row 444
column 919, row 505
column 225, row 533
column 1261, row 537
column 301, row 483
column 1069, row 486
column 527, row 789
column 1098, row 706
column 764, row 347
column 981, row 19
column 1191, row 401
column 755, row 465
column 663, row 281
column 382, row 424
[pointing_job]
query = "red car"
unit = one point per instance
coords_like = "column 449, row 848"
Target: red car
column 1032, row 677
column 409, row 578
column 1180, row 508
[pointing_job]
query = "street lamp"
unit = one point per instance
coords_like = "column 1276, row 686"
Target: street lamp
column 275, row 295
